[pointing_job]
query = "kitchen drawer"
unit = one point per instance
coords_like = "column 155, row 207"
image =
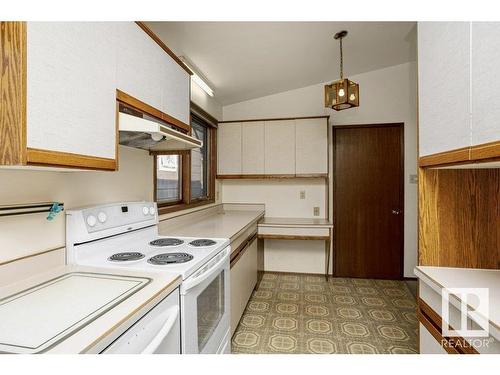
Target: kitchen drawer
column 429, row 344
column 294, row 231
column 241, row 239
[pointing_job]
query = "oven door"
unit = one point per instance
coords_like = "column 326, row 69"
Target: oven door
column 205, row 306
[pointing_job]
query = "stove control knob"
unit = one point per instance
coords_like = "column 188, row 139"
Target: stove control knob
column 152, row 210
column 102, row 217
column 145, row 210
column 91, row 220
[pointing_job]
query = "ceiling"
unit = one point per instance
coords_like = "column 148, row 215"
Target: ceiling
column 246, row 60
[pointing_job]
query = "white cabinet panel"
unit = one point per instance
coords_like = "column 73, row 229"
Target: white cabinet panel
column 444, row 86
column 229, row 148
column 139, row 60
column 243, row 280
column 149, row 74
column 485, row 82
column 71, row 81
column 252, row 148
column 428, row 344
column 279, row 147
column 311, row 144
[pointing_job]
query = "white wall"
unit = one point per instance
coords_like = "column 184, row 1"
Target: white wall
column 205, row 101
column 386, row 95
column 28, row 234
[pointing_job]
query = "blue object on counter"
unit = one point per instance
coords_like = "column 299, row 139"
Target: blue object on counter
column 54, row 210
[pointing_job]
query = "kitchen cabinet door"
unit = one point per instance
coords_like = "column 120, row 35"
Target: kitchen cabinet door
column 140, row 70
column 485, row 82
column 443, row 86
column 279, row 151
column 428, row 344
column 71, row 82
column 229, row 148
column 311, row 146
column 243, row 280
column 252, row 148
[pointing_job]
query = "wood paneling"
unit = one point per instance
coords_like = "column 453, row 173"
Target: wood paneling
column 65, row 159
column 12, row 93
column 368, row 201
column 136, row 103
column 163, row 46
column 459, row 218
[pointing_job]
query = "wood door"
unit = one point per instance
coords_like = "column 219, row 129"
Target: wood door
column 368, row 201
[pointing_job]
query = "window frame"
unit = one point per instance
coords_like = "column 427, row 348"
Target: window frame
column 186, row 201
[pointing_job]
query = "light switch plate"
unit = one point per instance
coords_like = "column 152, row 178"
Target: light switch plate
column 302, row 194
column 413, row 179
column 316, row 211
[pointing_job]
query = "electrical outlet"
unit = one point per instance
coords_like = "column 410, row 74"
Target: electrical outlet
column 316, row 211
column 302, row 194
column 413, row 179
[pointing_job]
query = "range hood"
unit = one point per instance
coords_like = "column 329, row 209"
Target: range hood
column 152, row 136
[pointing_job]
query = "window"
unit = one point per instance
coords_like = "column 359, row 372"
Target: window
column 199, row 160
column 168, row 179
column 186, row 179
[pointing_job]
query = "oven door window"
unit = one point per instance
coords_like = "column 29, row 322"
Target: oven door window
column 211, row 308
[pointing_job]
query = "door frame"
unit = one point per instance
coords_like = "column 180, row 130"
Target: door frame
column 401, row 187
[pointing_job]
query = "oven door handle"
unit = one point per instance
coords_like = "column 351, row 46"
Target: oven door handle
column 197, row 280
column 163, row 332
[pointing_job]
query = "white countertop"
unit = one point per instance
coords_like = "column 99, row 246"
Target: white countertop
column 447, row 277
column 226, row 224
column 75, row 309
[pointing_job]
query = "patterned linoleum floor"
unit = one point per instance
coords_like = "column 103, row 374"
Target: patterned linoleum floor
column 306, row 314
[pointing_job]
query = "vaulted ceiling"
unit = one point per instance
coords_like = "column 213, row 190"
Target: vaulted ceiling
column 246, row 60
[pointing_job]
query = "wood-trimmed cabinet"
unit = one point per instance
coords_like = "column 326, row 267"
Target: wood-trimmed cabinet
column 458, row 97
column 59, row 89
column 244, row 272
column 273, row 148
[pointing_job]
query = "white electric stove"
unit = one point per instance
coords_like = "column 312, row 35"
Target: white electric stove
column 125, row 235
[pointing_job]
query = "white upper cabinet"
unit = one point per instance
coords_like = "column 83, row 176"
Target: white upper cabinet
column 229, row 148
column 279, row 147
column 252, row 148
column 71, row 82
column 443, row 86
column 485, row 82
column 146, row 72
column 311, row 144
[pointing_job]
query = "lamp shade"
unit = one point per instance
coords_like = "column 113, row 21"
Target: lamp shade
column 342, row 94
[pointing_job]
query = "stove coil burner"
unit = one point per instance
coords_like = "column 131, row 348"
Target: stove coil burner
column 166, row 242
column 170, row 258
column 126, row 257
column 202, row 242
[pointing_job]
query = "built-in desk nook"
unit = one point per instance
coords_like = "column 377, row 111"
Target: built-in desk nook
column 280, row 228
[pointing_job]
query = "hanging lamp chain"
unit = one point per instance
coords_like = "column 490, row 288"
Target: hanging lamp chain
column 341, row 60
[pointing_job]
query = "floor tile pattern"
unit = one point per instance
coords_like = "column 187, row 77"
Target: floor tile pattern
column 292, row 313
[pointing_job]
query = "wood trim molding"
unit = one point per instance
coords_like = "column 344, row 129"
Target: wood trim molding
column 432, row 321
column 268, row 176
column 163, row 46
column 293, row 237
column 146, row 108
column 13, row 93
column 489, row 150
column 457, row 156
column 484, row 152
column 277, row 119
column 200, row 112
column 66, row 159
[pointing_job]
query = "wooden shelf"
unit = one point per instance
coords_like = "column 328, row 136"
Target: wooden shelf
column 482, row 153
column 268, row 176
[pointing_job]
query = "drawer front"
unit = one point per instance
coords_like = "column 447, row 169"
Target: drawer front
column 297, row 232
column 429, row 344
column 241, row 239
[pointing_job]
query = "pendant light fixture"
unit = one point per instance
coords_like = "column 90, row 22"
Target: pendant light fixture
column 344, row 93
